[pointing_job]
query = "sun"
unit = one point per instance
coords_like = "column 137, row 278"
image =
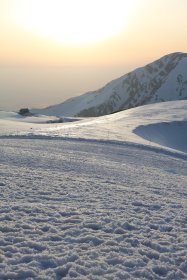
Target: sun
column 75, row 22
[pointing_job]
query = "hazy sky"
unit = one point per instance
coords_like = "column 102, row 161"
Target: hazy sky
column 55, row 49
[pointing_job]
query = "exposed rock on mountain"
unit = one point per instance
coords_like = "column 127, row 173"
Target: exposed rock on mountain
column 162, row 80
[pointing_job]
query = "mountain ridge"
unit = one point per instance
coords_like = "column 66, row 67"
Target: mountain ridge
column 164, row 79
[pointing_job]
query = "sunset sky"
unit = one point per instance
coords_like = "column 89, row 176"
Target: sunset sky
column 55, row 49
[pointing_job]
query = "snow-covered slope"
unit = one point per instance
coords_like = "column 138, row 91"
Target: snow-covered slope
column 100, row 199
column 162, row 80
column 16, row 117
column 14, row 122
column 162, row 125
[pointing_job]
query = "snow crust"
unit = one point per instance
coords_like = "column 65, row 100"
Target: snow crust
column 101, row 198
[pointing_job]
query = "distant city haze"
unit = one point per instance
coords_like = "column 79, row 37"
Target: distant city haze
column 40, row 68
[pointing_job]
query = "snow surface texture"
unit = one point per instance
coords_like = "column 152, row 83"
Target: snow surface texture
column 161, row 80
column 85, row 206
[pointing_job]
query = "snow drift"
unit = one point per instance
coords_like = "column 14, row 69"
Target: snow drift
column 167, row 134
column 162, row 124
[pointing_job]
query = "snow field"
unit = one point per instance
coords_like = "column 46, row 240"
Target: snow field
column 91, row 210
column 101, row 198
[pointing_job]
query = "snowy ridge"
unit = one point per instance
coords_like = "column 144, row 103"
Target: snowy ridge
column 162, row 125
column 162, row 80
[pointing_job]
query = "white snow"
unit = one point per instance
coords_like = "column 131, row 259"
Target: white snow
column 162, row 80
column 13, row 116
column 102, row 198
column 12, row 122
column 164, row 93
column 161, row 125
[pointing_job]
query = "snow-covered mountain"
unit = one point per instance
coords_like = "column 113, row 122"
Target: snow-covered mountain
column 162, row 80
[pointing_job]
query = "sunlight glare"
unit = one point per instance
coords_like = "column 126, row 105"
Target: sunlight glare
column 76, row 21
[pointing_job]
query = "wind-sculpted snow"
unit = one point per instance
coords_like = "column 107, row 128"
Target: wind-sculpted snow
column 168, row 134
column 163, row 125
column 91, row 210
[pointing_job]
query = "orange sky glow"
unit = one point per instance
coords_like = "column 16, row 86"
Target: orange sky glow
column 79, row 45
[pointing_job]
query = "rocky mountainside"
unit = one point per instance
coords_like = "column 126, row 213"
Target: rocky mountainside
column 162, row 80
